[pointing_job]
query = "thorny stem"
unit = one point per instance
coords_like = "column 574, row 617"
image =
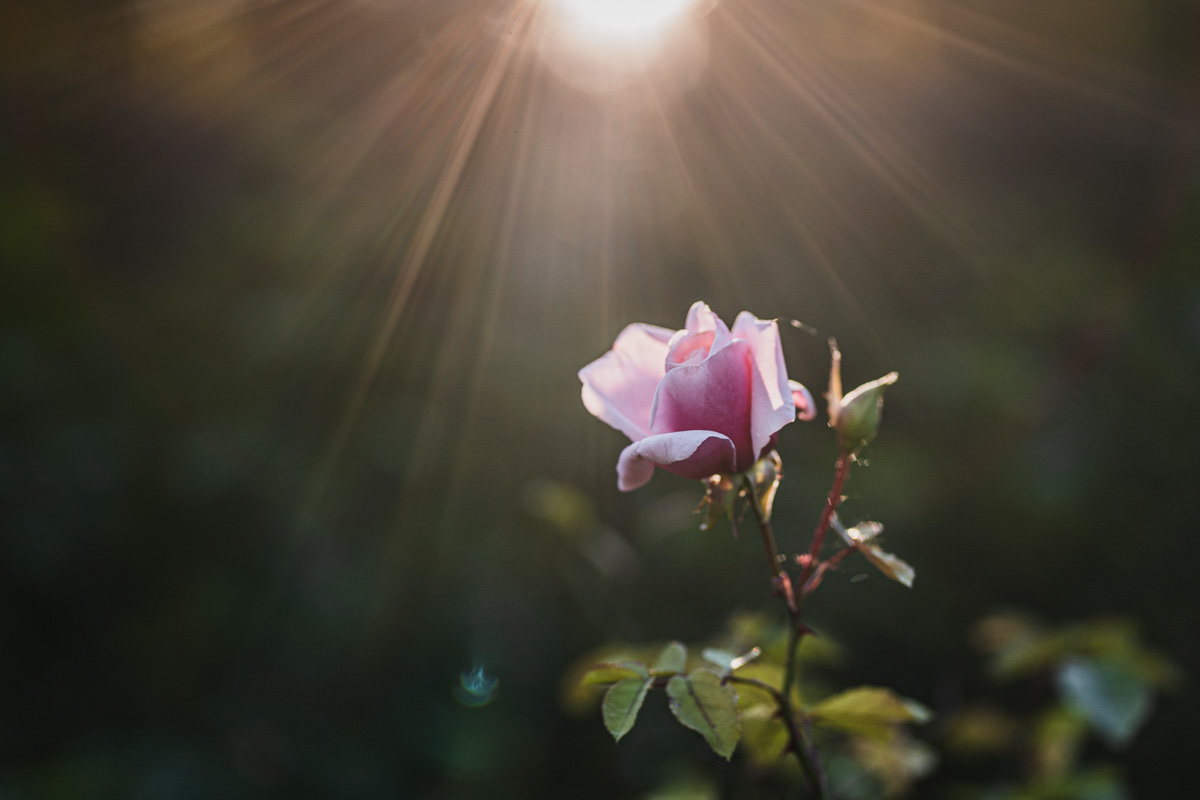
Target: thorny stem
column 837, row 558
column 783, row 586
column 835, row 497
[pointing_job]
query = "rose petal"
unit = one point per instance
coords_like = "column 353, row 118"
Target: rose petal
column 806, row 409
column 711, row 396
column 618, row 387
column 702, row 320
column 689, row 454
column 771, row 404
column 689, row 348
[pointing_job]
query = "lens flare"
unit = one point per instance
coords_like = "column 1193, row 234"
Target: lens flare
column 475, row 687
column 624, row 16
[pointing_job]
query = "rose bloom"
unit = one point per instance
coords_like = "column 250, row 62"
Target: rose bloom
column 702, row 401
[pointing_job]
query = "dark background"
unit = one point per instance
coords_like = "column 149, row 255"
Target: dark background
column 293, row 299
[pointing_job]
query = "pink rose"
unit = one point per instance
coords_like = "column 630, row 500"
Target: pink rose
column 697, row 402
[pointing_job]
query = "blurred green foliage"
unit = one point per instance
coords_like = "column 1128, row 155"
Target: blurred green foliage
column 1104, row 682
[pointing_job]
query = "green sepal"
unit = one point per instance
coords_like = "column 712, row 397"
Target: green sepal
column 719, row 494
column 764, row 477
column 859, row 413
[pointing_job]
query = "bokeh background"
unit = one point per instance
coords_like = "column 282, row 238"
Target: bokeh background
column 293, row 299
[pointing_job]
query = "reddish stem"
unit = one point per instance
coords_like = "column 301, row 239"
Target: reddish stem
column 831, row 504
column 826, row 566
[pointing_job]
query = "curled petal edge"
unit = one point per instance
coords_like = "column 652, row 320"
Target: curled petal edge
column 806, row 409
column 689, row 454
column 771, row 397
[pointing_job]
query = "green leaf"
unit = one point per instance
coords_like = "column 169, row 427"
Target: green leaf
column 722, row 658
column 1099, row 784
column 868, row 710
column 1057, row 737
column 896, row 761
column 764, row 737
column 700, row 702
column 611, row 673
column 863, row 536
column 1114, row 699
column 672, row 658
column 979, row 731
column 622, row 703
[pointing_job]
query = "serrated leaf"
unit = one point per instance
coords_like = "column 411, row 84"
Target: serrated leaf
column 700, row 702
column 890, row 565
column 622, row 703
column 602, row 674
column 868, row 710
column 1113, row 698
column 863, row 536
column 672, row 658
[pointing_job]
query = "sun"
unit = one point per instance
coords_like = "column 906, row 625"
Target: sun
column 624, row 16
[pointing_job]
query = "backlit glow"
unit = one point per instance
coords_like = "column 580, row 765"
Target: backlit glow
column 625, row 16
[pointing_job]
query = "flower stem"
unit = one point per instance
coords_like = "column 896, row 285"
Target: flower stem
column 783, row 586
column 764, row 528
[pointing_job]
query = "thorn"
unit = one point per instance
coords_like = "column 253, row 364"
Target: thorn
column 809, row 329
column 783, row 587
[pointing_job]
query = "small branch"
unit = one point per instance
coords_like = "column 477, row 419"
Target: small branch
column 831, row 504
column 827, row 566
column 756, row 683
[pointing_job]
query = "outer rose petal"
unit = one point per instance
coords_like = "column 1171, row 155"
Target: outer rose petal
column 771, row 404
column 806, row 409
column 689, row 454
column 714, row 395
column 619, row 386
